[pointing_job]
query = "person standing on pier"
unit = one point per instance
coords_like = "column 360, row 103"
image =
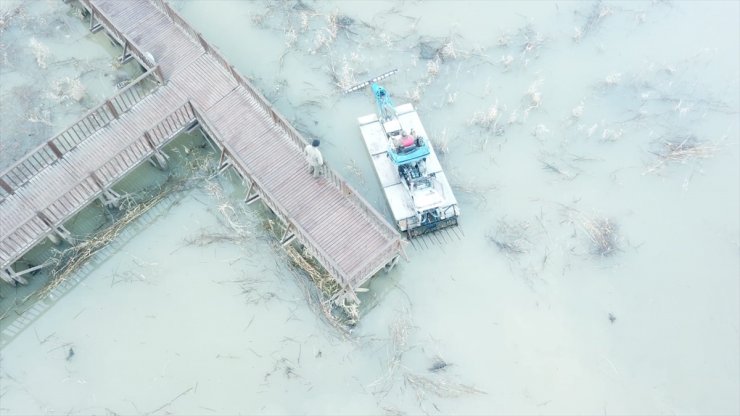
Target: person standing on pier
column 315, row 160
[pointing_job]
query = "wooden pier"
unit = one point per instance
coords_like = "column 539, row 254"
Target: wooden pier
column 187, row 83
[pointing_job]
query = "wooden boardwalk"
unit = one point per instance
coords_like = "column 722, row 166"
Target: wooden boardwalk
column 188, row 82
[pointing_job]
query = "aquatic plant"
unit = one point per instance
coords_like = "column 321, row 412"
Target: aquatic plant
column 67, row 89
column 602, row 233
column 680, row 149
column 439, row 386
column 347, row 74
column 565, row 172
column 599, row 11
column 40, row 52
column 534, row 94
column 511, row 238
column 441, row 142
column 324, row 292
column 487, row 119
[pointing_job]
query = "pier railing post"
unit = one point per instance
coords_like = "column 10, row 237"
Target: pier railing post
column 125, row 51
column 54, row 149
column 111, row 108
column 203, row 43
column 158, row 74
column 7, row 188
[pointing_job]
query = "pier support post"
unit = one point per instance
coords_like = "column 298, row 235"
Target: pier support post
column 252, row 194
column 125, row 56
column 223, row 161
column 8, row 275
column 287, row 237
column 347, row 294
column 159, row 158
column 110, row 198
column 94, row 27
column 388, row 267
column 60, row 233
column 111, row 108
column 64, row 234
column 6, row 187
column 192, row 126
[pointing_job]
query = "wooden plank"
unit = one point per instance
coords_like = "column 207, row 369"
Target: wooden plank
column 365, row 246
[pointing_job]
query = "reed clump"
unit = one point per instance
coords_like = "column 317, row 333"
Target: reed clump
column 323, row 295
column 130, row 207
column 680, row 150
column 603, row 234
column 66, row 262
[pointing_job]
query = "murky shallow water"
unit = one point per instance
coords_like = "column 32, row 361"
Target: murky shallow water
column 53, row 70
column 545, row 136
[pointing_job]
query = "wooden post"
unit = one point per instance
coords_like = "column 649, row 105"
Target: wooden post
column 45, row 219
column 97, row 180
column 111, row 108
column 158, row 74
column 125, row 50
column 93, row 27
column 169, row 11
column 249, row 191
column 149, row 140
column 54, row 149
column 159, row 158
column 222, row 158
column 203, row 42
column 10, row 276
column 287, row 237
column 5, row 186
column 251, row 198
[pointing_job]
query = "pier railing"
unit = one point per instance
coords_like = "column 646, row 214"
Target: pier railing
column 274, row 205
column 147, row 144
column 298, row 140
column 45, row 154
column 129, row 46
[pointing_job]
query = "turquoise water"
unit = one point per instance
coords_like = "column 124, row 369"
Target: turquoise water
column 554, row 120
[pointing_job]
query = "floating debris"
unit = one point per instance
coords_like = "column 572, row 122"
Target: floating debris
column 40, row 52
column 555, row 167
column 512, row 238
column 439, row 386
column 438, row 365
column 599, row 11
column 68, row 89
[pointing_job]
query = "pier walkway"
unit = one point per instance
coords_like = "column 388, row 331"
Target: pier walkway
column 187, row 83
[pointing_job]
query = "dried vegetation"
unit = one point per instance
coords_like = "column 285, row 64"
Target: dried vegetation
column 601, row 232
column 680, row 150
